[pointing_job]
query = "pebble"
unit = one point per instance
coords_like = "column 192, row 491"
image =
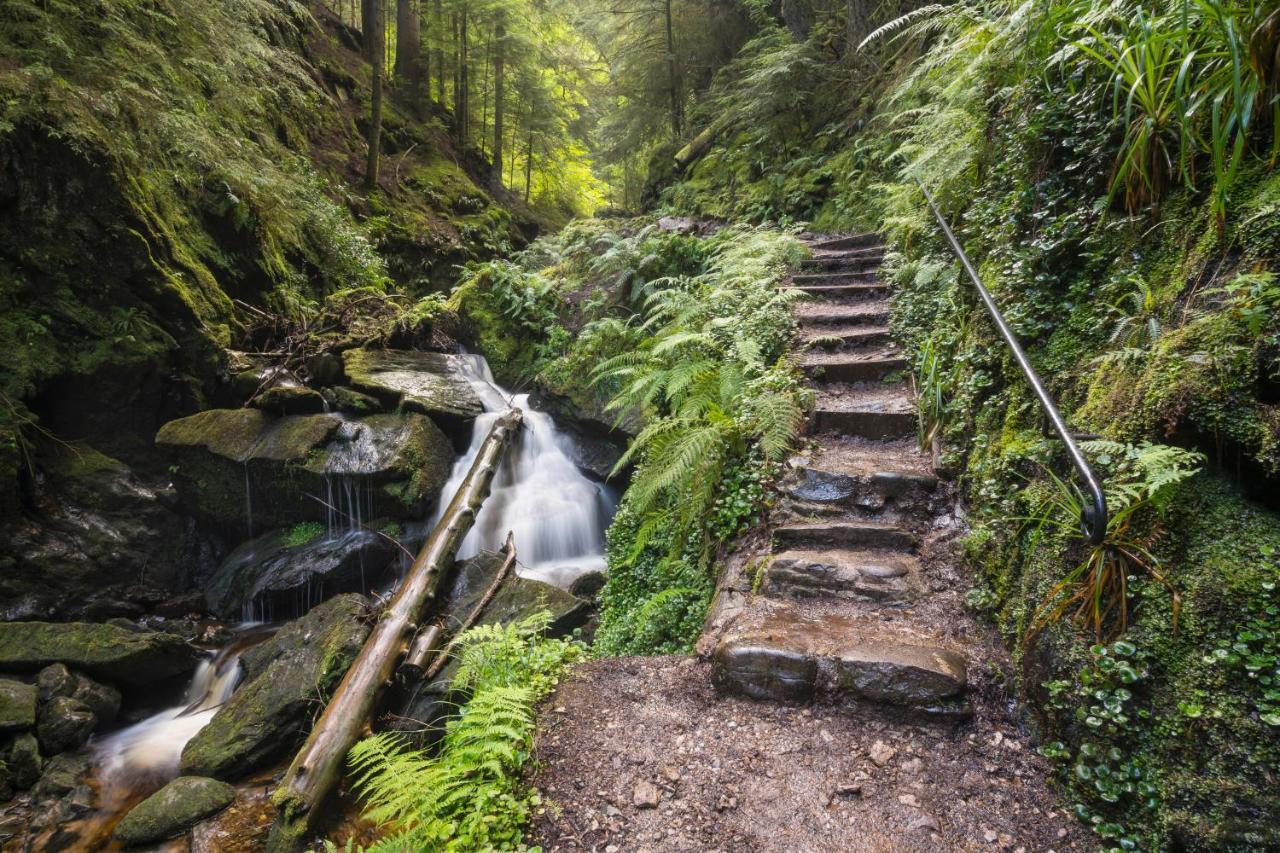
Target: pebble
column 646, row 795
column 881, row 753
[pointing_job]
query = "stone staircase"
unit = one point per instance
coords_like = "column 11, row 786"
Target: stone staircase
column 839, row 609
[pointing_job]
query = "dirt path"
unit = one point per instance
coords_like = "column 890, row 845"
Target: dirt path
column 844, row 700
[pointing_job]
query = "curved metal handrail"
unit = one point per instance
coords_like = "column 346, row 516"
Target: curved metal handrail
column 1093, row 516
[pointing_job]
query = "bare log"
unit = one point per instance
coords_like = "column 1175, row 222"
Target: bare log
column 317, row 768
column 442, row 656
column 423, row 648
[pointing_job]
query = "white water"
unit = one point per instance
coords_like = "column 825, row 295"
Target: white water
column 149, row 752
column 558, row 516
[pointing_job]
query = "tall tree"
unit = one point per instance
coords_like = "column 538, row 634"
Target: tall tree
column 438, row 33
column 673, row 80
column 375, row 118
column 368, row 28
column 499, row 61
column 408, row 38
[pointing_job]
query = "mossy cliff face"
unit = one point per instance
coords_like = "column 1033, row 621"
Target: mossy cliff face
column 164, row 166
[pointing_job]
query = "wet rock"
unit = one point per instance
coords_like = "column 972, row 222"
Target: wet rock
column 325, row 368
column 238, row 467
column 279, row 578
column 900, row 673
column 823, row 486
column 65, row 724
column 588, row 586
column 427, row 382
column 345, row 399
column 24, row 760
column 55, row 680
column 287, row 678
column 97, row 522
column 764, row 672
column 173, row 809
column 226, row 458
column 102, row 699
column 108, row 652
column 61, row 775
column 17, row 705
column 181, row 605
column 290, row 400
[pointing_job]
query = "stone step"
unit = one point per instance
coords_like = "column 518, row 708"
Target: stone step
column 842, row 534
column 816, row 484
column 856, row 241
column 828, row 279
column 851, row 367
column 842, row 314
column 846, row 337
column 870, row 257
column 874, row 575
column 845, row 293
column 867, row 410
column 789, row 656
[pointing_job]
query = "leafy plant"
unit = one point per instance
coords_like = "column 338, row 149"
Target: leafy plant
column 1096, row 591
column 931, row 406
column 469, row 794
column 303, row 532
column 1254, row 651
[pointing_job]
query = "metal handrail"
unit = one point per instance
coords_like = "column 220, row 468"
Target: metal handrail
column 1093, row 516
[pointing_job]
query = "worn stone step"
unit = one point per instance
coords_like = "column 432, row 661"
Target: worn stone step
column 842, row 314
column 817, row 484
column 856, row 241
column 875, row 575
column 841, row 534
column 806, row 281
column 863, row 424
column 789, row 656
column 846, row 337
column 851, row 367
column 845, row 292
column 869, row 257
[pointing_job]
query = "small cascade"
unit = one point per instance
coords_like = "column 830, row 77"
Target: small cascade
column 557, row 514
column 144, row 756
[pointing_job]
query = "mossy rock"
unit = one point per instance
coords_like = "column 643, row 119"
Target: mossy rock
column 174, row 809
column 428, row 382
column 287, row 678
column 104, row 651
column 277, row 575
column 17, row 705
column 290, row 400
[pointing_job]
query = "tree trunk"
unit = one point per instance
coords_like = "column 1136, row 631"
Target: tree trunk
column 700, row 143
column 442, row 655
column 368, row 9
column 375, row 118
column 317, row 769
column 408, row 34
column 464, row 82
column 439, row 52
column 528, row 169
column 499, row 61
column 672, row 80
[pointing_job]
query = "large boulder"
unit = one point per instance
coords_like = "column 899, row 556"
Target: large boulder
column 245, row 470
column 286, row 679
column 429, row 382
column 108, row 652
column 17, row 705
column 173, row 809
column 98, row 530
column 274, row 576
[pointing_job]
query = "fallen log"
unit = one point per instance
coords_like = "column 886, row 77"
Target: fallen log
column 317, row 768
column 701, row 143
column 442, row 657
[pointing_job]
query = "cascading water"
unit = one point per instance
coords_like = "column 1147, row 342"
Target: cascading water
column 147, row 754
column 558, row 516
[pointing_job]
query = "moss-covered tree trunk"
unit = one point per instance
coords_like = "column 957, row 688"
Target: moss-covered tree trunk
column 375, row 119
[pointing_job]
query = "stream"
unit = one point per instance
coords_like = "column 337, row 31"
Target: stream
column 557, row 515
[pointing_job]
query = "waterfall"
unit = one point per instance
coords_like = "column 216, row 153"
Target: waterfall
column 557, row 514
column 147, row 754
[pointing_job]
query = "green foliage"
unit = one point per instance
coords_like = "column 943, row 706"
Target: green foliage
column 468, row 795
column 303, row 532
column 1254, row 651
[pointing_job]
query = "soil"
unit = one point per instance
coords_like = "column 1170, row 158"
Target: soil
column 733, row 774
